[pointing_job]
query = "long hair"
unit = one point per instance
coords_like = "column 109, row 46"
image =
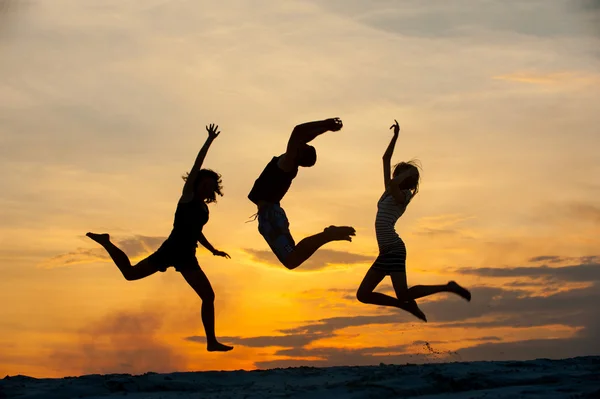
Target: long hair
column 412, row 182
column 207, row 173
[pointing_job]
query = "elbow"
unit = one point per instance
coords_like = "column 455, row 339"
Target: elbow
column 297, row 133
column 297, row 136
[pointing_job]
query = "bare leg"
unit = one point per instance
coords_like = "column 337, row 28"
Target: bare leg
column 366, row 294
column 401, row 288
column 309, row 245
column 420, row 291
column 199, row 282
column 140, row 270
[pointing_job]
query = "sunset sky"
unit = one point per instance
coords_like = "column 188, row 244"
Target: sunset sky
column 103, row 105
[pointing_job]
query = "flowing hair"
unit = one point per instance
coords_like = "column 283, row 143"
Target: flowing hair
column 207, row 173
column 412, row 182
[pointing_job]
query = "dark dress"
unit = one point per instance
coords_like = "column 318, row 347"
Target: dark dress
column 179, row 249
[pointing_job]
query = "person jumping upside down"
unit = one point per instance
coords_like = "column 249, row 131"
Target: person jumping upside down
column 272, row 185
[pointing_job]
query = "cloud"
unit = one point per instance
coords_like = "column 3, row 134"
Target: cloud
column 292, row 340
column 442, row 225
column 588, row 212
column 126, row 342
column 303, row 335
column 441, row 20
column 548, row 258
column 551, row 78
column 516, row 307
column 591, row 9
column 322, row 259
column 439, row 232
column 527, row 350
column 476, row 339
column 491, row 307
column 135, row 247
column 583, row 272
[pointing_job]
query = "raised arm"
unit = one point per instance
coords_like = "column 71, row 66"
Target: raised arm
column 188, row 188
column 387, row 156
column 305, row 133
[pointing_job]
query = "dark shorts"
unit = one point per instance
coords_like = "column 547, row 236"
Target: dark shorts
column 182, row 258
column 391, row 260
column 274, row 226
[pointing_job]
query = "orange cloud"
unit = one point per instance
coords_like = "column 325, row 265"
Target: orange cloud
column 323, row 258
column 135, row 247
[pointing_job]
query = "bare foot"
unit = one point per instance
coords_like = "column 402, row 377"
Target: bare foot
column 99, row 238
column 218, row 347
column 458, row 290
column 340, row 233
column 414, row 309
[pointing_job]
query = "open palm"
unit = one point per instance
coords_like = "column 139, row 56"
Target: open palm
column 213, row 131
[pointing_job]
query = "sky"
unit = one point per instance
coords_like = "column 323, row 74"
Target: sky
column 103, row 107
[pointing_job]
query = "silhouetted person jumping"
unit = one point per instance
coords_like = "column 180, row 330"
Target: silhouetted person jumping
column 272, row 185
column 399, row 191
column 179, row 249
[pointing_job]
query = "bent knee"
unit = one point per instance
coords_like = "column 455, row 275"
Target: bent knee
column 290, row 260
column 362, row 295
column 403, row 296
column 208, row 297
column 290, row 263
column 128, row 275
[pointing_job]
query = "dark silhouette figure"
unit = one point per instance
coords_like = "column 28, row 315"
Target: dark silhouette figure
column 399, row 191
column 179, row 249
column 272, row 185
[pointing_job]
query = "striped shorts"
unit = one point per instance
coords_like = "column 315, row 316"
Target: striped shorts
column 391, row 259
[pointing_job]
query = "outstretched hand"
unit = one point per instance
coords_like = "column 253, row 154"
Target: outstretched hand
column 334, row 124
column 396, row 127
column 212, row 130
column 221, row 253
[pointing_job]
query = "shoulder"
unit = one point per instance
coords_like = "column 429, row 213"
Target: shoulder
column 186, row 197
column 285, row 163
column 397, row 197
column 406, row 197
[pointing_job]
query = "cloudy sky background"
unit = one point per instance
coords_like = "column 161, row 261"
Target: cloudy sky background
column 103, row 106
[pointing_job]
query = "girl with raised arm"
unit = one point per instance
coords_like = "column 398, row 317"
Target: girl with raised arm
column 400, row 189
column 179, row 249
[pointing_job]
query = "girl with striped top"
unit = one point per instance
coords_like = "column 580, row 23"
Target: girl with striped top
column 400, row 189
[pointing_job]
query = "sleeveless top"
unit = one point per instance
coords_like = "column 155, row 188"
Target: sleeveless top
column 388, row 213
column 272, row 184
column 190, row 218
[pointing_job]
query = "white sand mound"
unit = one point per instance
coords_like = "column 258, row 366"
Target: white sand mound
column 569, row 378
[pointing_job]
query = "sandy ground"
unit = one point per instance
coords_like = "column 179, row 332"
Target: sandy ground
column 568, row 378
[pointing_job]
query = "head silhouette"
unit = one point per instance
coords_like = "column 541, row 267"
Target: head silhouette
column 412, row 181
column 207, row 185
column 307, row 156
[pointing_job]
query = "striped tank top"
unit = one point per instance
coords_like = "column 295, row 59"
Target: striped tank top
column 388, row 213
